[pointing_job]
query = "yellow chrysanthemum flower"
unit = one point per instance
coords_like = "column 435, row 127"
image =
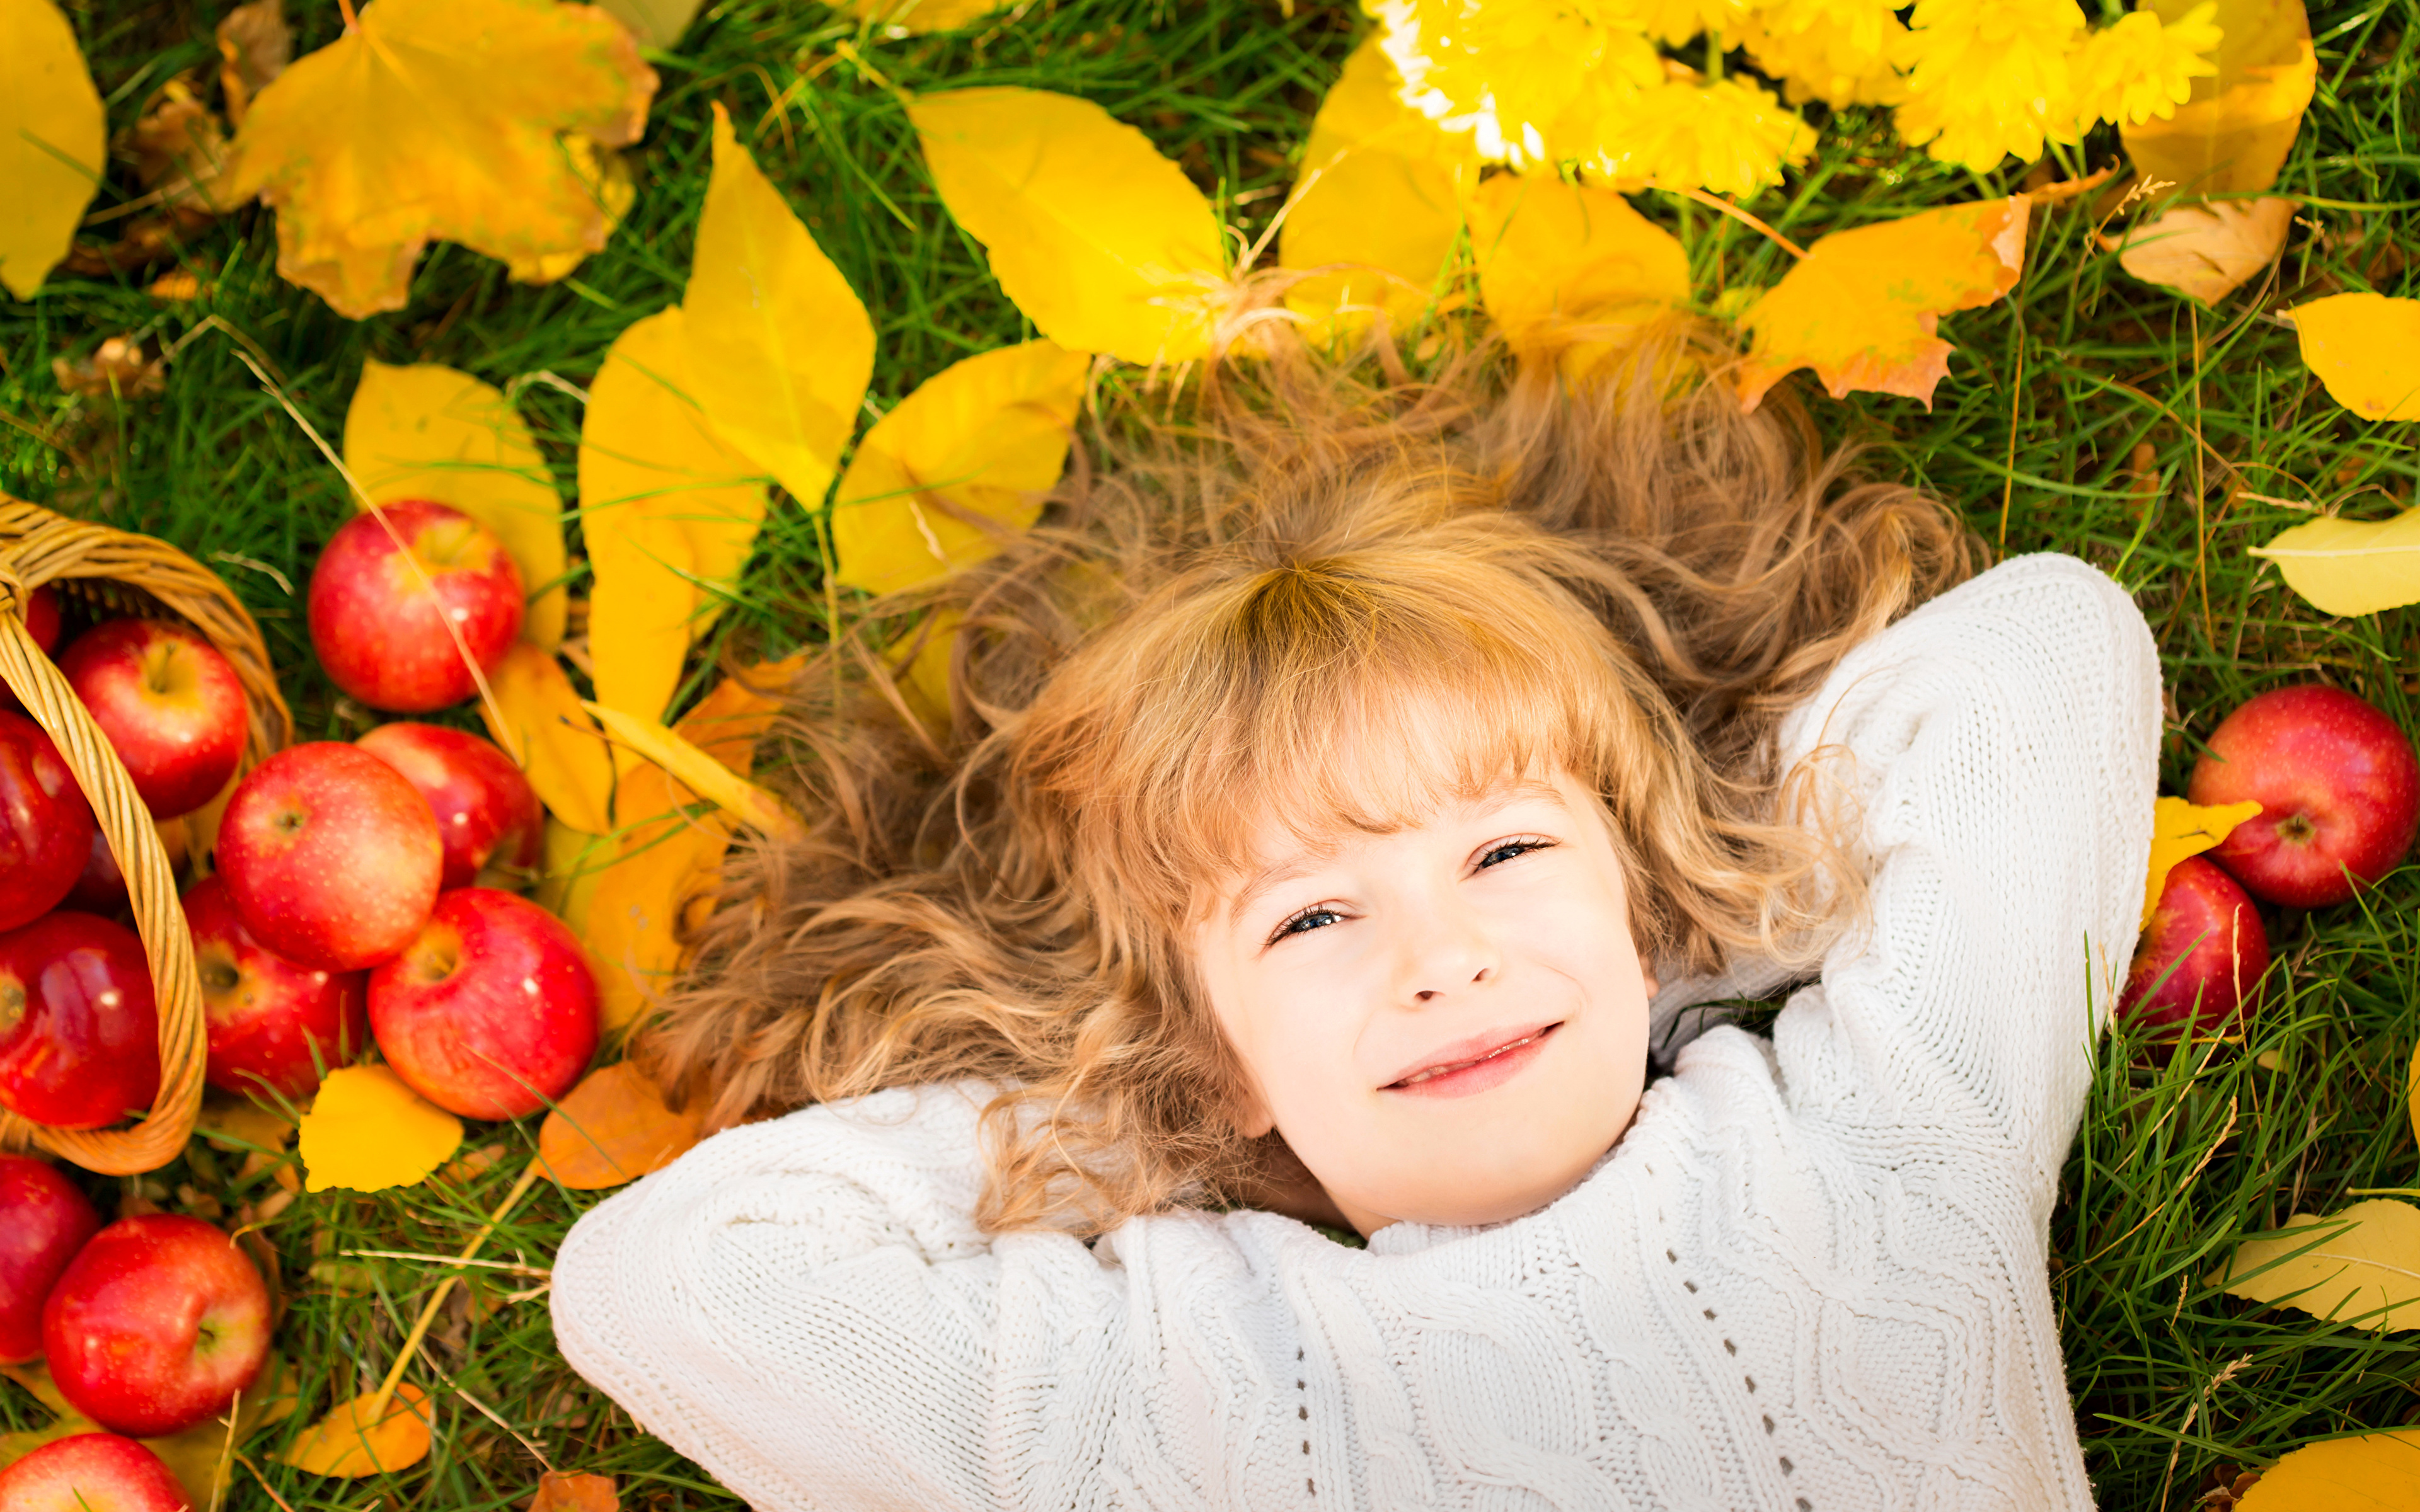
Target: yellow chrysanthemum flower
column 1676, row 21
column 1841, row 52
column 1991, row 78
column 1723, row 136
column 2139, row 68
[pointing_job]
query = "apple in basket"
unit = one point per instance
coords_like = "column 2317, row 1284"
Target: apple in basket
column 491, row 1014
column 487, row 814
column 2199, row 964
column 170, row 704
column 43, row 1221
column 46, row 827
column 381, row 612
column 158, row 1322
column 2338, row 788
column 271, row 1024
column 331, row 857
column 42, row 624
column 92, row 1472
column 79, row 1033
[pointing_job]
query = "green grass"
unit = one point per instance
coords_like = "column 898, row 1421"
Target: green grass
column 2040, row 433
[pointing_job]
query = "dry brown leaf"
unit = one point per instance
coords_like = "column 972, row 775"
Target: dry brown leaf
column 2206, row 250
column 560, row 1491
column 348, row 1442
column 255, row 46
column 613, row 1128
column 117, row 368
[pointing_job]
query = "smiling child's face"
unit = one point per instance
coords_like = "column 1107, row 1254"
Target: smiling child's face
column 1448, row 1023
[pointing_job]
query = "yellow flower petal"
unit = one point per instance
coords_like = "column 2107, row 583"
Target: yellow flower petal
column 366, row 1131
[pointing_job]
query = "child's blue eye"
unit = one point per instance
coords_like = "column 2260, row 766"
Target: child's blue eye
column 1509, row 848
column 1517, row 847
column 1305, row 915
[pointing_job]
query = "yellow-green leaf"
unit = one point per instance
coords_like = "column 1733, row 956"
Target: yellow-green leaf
column 2367, row 1275
column 2350, row 566
column 668, row 511
column 778, row 348
column 1104, row 244
column 366, row 1131
column 2233, row 134
column 2182, row 830
column 2371, row 1473
column 2366, row 347
column 1556, row 258
column 432, row 432
column 654, row 22
column 52, row 137
column 359, row 1438
column 975, row 446
column 613, row 1127
column 547, row 730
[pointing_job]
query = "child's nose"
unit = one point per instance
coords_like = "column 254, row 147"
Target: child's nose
column 1449, row 951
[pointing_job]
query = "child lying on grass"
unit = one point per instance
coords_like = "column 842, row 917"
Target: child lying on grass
column 1336, row 805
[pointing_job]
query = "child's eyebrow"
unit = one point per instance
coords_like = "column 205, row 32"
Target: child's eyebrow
column 1503, row 796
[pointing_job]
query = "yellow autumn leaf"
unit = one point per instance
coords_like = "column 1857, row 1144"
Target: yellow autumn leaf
column 2232, row 136
column 233, row 1121
column 547, row 731
column 708, row 779
column 197, row 1456
column 53, row 139
column 919, row 663
column 2366, row 347
column 2206, row 251
column 572, row 862
column 1862, row 306
column 479, row 121
column 2367, row 1275
column 1380, row 189
column 963, row 460
column 613, row 1127
column 2369, row 1472
column 778, row 348
column 1554, row 257
column 2412, row 1093
column 2350, row 566
column 654, row 22
column 362, row 1438
column 428, row 431
column 367, row 1132
column 2182, row 830
column 668, row 511
column 916, row 17
column 1104, row 244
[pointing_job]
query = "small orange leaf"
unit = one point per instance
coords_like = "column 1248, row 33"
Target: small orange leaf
column 367, row 1132
column 2181, row 829
column 613, row 1128
column 557, row 744
column 348, row 1443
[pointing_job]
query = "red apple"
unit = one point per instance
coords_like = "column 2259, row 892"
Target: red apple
column 379, row 623
column 271, row 1022
column 170, row 704
column 485, row 810
column 331, row 857
column 46, row 827
column 43, row 1221
column 2199, row 963
column 2338, row 788
column 79, row 1033
column 491, row 1014
column 158, row 1322
column 42, row 624
column 92, row 1472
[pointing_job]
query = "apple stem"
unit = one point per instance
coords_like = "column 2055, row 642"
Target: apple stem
column 444, row 1289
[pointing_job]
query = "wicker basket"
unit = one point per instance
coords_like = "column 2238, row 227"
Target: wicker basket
column 125, row 574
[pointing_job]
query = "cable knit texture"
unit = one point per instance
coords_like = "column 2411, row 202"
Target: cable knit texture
column 1812, row 1277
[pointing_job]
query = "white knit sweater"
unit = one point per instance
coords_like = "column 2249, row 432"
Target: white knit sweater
column 1810, row 1277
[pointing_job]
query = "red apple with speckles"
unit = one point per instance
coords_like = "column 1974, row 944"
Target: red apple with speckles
column 92, row 1472
column 158, row 1322
column 43, row 1221
column 487, row 812
column 79, row 1030
column 2338, row 788
column 492, row 1012
column 169, row 703
column 46, row 827
column 331, row 857
column 271, row 1024
column 2199, row 963
column 378, row 613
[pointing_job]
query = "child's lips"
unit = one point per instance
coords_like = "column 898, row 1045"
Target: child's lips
column 1475, row 1065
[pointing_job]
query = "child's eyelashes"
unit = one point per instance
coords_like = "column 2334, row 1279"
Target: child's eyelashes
column 1507, row 850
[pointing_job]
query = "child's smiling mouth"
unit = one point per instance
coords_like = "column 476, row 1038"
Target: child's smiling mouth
column 1475, row 1065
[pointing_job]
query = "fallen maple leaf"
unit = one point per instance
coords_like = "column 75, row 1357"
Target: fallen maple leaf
column 2232, row 136
column 2181, row 829
column 2368, row 1472
column 366, row 1132
column 1862, row 306
column 1554, row 258
column 2206, row 250
column 479, row 121
column 2366, row 347
column 613, row 1128
column 560, row 1493
column 558, row 746
column 52, row 138
column 2366, row 1271
column 1104, row 244
column 255, row 46
column 2350, row 566
column 351, row 1442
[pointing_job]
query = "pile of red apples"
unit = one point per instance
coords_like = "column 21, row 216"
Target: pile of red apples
column 2338, row 786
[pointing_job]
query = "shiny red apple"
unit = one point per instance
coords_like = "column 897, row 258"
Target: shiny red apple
column 46, row 827
column 487, row 812
column 271, row 1024
column 42, row 623
column 92, row 1472
column 158, row 1322
column 492, row 1012
column 43, row 1221
column 331, row 857
column 79, row 1031
column 169, row 703
column 2338, row 788
column 2200, row 960
column 380, row 611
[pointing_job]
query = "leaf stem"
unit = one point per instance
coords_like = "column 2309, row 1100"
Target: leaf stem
column 1743, row 217
column 352, row 21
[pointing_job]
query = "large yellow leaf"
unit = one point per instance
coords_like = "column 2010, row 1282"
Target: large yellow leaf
column 1554, row 257
column 52, row 136
column 2366, row 347
column 654, row 22
column 613, row 1127
column 2206, row 250
column 432, row 432
column 1380, row 188
column 2350, row 566
column 982, row 438
column 2180, row 830
column 2232, row 136
column 707, row 778
column 366, row 1131
column 479, row 121
column 778, row 348
column 574, row 861
column 557, row 744
column 668, row 511
column 1862, row 306
column 2370, row 1266
column 2372, row 1472
column 362, row 1438
column 1104, row 244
